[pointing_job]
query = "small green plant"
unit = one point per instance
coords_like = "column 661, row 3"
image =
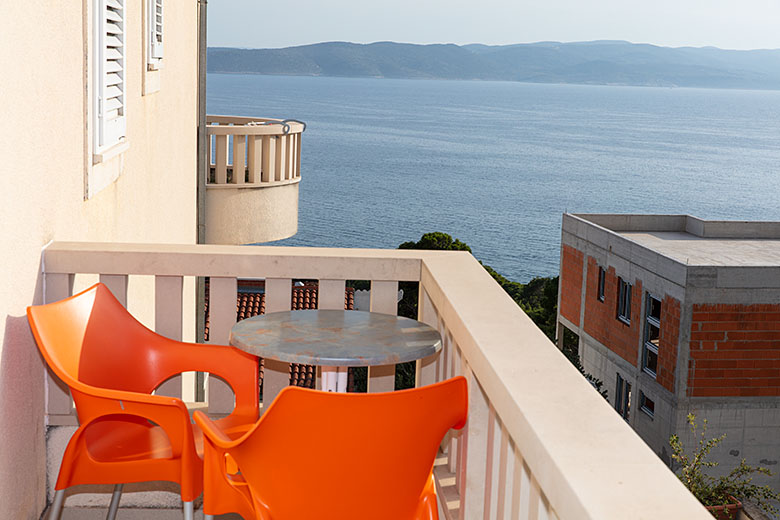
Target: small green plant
column 717, row 491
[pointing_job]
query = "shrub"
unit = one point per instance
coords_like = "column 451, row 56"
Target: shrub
column 717, row 491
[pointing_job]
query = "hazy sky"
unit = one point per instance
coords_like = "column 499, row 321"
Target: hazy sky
column 729, row 24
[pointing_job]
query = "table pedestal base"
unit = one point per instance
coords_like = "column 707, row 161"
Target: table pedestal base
column 334, row 379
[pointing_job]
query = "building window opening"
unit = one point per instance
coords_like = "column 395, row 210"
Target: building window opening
column 624, row 301
column 602, row 276
column 652, row 335
column 646, row 404
column 623, row 397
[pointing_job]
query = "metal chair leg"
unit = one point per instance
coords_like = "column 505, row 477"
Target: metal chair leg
column 115, row 497
column 208, row 517
column 56, row 505
column 189, row 510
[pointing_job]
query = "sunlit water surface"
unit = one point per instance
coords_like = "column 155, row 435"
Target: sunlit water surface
column 495, row 164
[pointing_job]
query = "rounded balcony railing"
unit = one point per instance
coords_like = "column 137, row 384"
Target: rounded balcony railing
column 252, row 179
column 257, row 151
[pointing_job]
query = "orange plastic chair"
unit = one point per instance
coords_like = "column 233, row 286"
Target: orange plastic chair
column 334, row 456
column 112, row 363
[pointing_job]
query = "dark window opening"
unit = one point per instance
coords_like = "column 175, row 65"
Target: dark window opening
column 652, row 335
column 646, row 404
column 624, row 301
column 623, row 397
column 602, row 276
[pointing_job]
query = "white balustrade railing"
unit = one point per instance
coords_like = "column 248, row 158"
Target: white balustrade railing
column 539, row 443
column 253, row 151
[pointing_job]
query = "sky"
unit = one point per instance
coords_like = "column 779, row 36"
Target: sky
column 728, row 24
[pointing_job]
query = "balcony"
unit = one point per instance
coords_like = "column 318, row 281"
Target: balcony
column 252, row 179
column 540, row 443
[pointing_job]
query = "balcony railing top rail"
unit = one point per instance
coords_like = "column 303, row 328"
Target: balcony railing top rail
column 252, row 151
column 540, row 443
column 226, row 125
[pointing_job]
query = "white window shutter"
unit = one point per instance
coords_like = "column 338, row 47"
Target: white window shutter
column 155, row 10
column 110, row 55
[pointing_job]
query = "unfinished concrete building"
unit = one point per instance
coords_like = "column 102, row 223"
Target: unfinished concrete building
column 675, row 315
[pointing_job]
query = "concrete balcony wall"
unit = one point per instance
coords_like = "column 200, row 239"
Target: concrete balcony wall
column 247, row 215
column 49, row 190
column 539, row 442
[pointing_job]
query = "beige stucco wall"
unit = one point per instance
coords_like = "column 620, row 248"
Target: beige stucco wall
column 46, row 154
column 251, row 215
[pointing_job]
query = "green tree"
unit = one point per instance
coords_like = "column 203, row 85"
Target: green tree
column 538, row 298
column 436, row 241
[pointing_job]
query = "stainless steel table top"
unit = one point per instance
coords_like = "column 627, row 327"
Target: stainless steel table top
column 335, row 338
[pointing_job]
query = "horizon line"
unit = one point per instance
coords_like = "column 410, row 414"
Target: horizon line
column 540, row 42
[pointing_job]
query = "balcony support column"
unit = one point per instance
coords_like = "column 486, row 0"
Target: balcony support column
column 476, row 451
column 425, row 373
column 384, row 299
column 59, row 405
column 222, row 317
column 168, row 300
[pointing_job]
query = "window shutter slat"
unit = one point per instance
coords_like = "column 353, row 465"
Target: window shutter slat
column 113, row 54
column 113, row 41
column 155, row 30
column 110, row 53
column 113, row 104
column 113, row 92
column 113, row 79
column 112, row 67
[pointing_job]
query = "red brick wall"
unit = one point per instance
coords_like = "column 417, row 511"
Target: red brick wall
column 735, row 350
column 667, row 348
column 571, row 284
column 601, row 321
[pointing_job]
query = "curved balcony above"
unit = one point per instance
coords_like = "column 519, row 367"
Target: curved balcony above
column 252, row 179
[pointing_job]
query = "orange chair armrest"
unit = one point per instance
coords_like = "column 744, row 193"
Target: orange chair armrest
column 213, row 432
column 136, row 397
column 169, row 413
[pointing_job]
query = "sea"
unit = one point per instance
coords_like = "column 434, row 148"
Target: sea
column 496, row 164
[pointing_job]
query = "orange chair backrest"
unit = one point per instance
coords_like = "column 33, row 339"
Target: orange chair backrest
column 90, row 337
column 341, row 453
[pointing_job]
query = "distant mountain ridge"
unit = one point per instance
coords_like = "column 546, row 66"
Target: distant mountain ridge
column 596, row 62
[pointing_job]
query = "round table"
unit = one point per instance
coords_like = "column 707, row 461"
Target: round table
column 335, row 340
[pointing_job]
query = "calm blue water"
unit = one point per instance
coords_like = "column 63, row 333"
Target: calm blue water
column 496, row 163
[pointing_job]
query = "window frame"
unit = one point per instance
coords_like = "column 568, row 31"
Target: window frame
column 624, row 301
column 601, row 284
column 647, row 345
column 648, row 410
column 623, row 397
